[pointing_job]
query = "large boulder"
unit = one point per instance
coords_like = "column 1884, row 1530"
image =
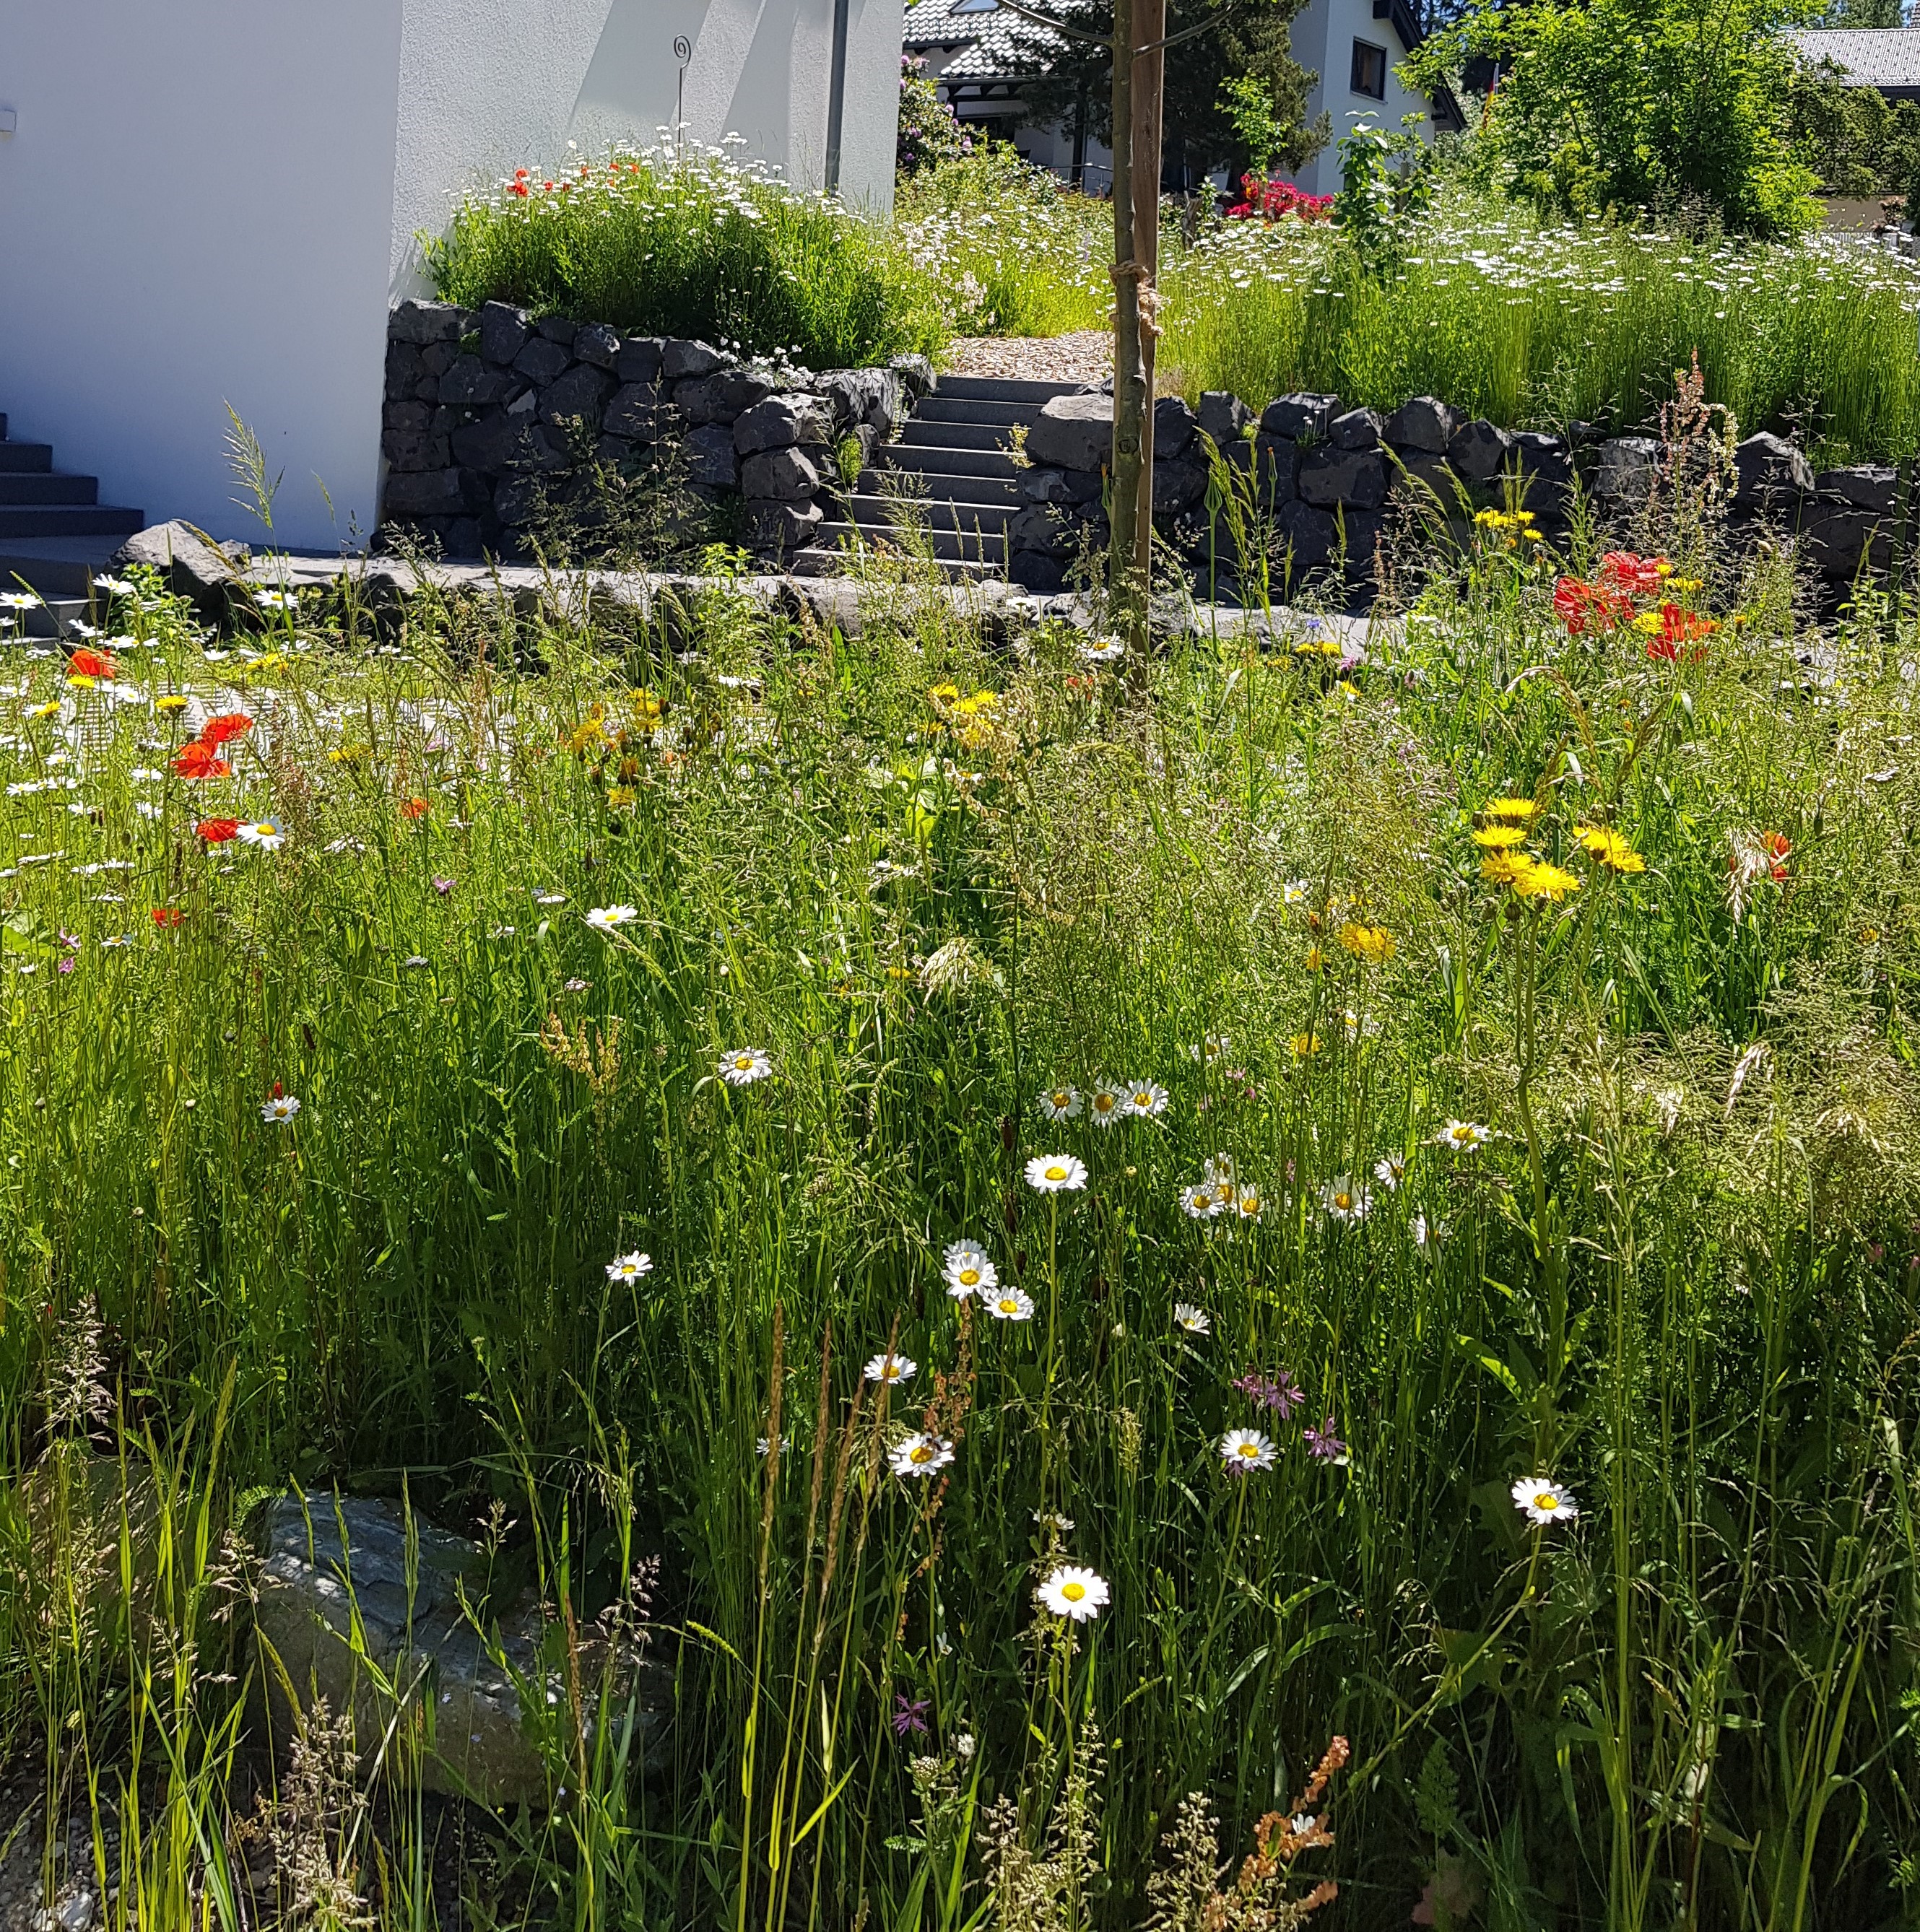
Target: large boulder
column 504, row 331
column 1178, row 485
column 1478, row 450
column 541, row 361
column 640, row 358
column 193, row 565
column 1866, row 486
column 711, row 457
column 1839, row 540
column 435, row 493
column 779, row 475
column 1424, row 423
column 780, row 421
column 680, row 359
column 597, row 343
column 1174, row 425
column 421, row 322
column 471, row 384
column 1310, row 536
column 494, row 443
column 1628, row 466
column 722, row 397
column 637, row 413
column 1039, row 530
column 1224, row 417
column 863, row 396
column 1357, row 477
column 335, row 1570
column 785, row 527
column 1771, row 472
column 1356, row 429
column 1304, row 418
column 1073, row 433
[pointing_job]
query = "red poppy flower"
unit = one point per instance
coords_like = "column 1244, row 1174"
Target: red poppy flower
column 196, row 760
column 1776, row 846
column 1639, row 576
column 87, row 662
column 228, row 725
column 1584, row 606
column 1679, row 627
column 167, row 917
column 218, row 831
column 414, row 808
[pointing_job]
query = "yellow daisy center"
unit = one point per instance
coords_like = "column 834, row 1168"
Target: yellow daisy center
column 968, row 1276
column 1546, row 1500
column 1060, row 1099
column 1250, row 1449
column 742, row 1062
column 922, row 1452
column 1103, row 1103
column 1007, row 1305
column 1073, row 1592
column 1056, row 1174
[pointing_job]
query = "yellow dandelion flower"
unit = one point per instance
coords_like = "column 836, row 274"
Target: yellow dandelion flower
column 1607, row 848
column 1520, row 808
column 1373, row 943
column 945, row 694
column 1499, row 838
column 49, row 710
column 1304, row 1046
column 1544, row 881
column 1506, row 868
column 173, row 701
column 1316, row 959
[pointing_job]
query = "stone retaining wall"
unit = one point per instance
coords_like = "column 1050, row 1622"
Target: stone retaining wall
column 1324, row 475
column 489, row 413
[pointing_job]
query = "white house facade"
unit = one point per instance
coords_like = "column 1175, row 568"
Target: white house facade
column 1354, row 47
column 213, row 203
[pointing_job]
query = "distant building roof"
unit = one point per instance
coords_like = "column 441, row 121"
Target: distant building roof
column 994, row 40
column 1886, row 58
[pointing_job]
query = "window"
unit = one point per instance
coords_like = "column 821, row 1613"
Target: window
column 1369, row 71
column 978, row 7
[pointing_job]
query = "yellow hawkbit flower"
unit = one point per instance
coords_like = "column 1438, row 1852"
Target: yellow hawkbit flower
column 173, row 701
column 1607, row 848
column 1316, row 959
column 1505, row 869
column 1498, row 838
column 1544, row 881
column 1373, row 943
column 1304, row 1046
column 1521, row 808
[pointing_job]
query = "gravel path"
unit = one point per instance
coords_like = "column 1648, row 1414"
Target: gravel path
column 1086, row 356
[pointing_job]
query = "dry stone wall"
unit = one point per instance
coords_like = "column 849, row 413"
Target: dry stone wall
column 493, row 415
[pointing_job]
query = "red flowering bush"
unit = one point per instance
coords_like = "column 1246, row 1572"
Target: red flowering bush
column 1276, row 200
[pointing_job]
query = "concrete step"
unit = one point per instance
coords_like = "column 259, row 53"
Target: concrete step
column 937, row 487
column 56, row 567
column 67, row 520
column 1001, row 389
column 43, row 486
column 934, row 459
column 990, row 547
column 824, row 559
column 953, row 435
column 16, row 458
column 963, row 409
column 967, row 517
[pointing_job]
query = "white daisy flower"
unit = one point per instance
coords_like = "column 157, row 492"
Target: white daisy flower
column 744, row 1066
column 1200, row 1201
column 1105, row 1103
column 1541, row 1500
column 1428, row 1234
column 1195, row 1321
column 1010, row 1304
column 1244, row 1451
column 604, row 919
column 920, row 1456
column 1294, row 892
column 264, row 833
column 1072, row 1591
column 1345, row 1199
column 1390, row 1170
column 1212, row 1045
column 968, row 1271
column 1102, row 651
column 1145, row 1100
column 891, row 1369
column 629, row 1267
column 1056, row 1173
column 1249, row 1204
column 1463, row 1136
column 1060, row 1103
column 115, row 586
column 281, row 1107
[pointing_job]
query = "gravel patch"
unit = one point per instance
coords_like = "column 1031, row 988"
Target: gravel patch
column 1085, row 356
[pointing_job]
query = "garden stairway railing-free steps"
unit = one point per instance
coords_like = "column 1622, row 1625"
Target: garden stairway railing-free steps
column 953, row 467
column 55, row 532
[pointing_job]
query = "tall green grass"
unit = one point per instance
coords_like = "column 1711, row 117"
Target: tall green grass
column 690, row 244
column 1679, row 1278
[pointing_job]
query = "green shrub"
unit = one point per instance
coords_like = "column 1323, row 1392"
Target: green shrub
column 1672, row 106
column 695, row 246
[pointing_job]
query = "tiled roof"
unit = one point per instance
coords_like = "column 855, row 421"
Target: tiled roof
column 995, row 43
column 1871, row 56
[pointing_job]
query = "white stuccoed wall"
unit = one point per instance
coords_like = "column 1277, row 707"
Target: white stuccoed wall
column 214, row 201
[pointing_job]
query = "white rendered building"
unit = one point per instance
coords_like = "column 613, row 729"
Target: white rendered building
column 214, row 203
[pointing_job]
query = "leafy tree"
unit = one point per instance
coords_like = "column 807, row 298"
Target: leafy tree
column 1674, row 107
column 1225, row 65
column 1854, row 140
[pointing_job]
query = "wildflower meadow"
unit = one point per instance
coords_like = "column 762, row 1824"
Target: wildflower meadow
column 1271, row 1283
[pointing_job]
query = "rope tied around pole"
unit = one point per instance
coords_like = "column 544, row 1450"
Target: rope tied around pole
column 1149, row 296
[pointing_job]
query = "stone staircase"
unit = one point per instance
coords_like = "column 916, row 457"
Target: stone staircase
column 55, row 532
column 953, row 464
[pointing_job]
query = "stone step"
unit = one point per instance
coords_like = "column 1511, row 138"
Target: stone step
column 1002, row 389
column 42, row 486
column 952, row 435
column 937, row 487
column 822, row 559
column 54, row 567
column 932, row 459
column 18, row 458
column 67, row 520
column 989, row 547
column 963, row 409
column 964, row 517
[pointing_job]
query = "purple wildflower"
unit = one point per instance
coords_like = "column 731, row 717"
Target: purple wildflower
column 442, row 887
column 909, row 1716
column 1322, row 1444
column 1279, row 1392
